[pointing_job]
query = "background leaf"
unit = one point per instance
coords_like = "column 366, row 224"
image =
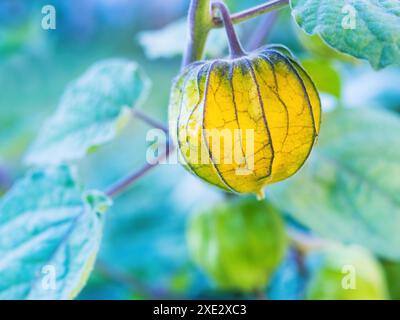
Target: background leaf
column 346, row 190
column 324, row 75
column 166, row 42
column 91, row 111
column 170, row 41
column 46, row 223
column 376, row 33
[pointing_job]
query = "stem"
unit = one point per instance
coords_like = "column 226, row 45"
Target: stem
column 200, row 22
column 131, row 178
column 149, row 120
column 252, row 12
column 235, row 48
column 199, row 25
column 127, row 181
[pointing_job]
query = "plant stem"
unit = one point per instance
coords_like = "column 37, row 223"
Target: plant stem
column 200, row 22
column 235, row 48
column 125, row 182
column 199, row 25
column 149, row 120
column 131, row 178
column 252, row 12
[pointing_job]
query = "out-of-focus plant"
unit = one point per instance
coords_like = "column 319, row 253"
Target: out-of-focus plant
column 51, row 225
column 245, row 261
column 345, row 273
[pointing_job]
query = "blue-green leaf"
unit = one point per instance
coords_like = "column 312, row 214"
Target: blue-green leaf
column 49, row 236
column 91, row 112
column 365, row 29
column 349, row 189
column 170, row 41
column 166, row 42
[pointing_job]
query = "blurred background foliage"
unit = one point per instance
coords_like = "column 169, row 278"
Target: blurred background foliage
column 144, row 252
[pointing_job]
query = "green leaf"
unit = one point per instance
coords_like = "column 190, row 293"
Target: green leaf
column 365, row 29
column 91, row 112
column 349, row 189
column 49, row 236
column 324, row 75
column 328, row 267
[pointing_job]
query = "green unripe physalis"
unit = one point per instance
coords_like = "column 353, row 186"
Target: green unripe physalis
column 345, row 273
column 238, row 244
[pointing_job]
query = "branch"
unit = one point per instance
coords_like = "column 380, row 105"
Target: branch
column 200, row 22
column 252, row 12
column 131, row 178
column 149, row 120
column 235, row 48
column 127, row 181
